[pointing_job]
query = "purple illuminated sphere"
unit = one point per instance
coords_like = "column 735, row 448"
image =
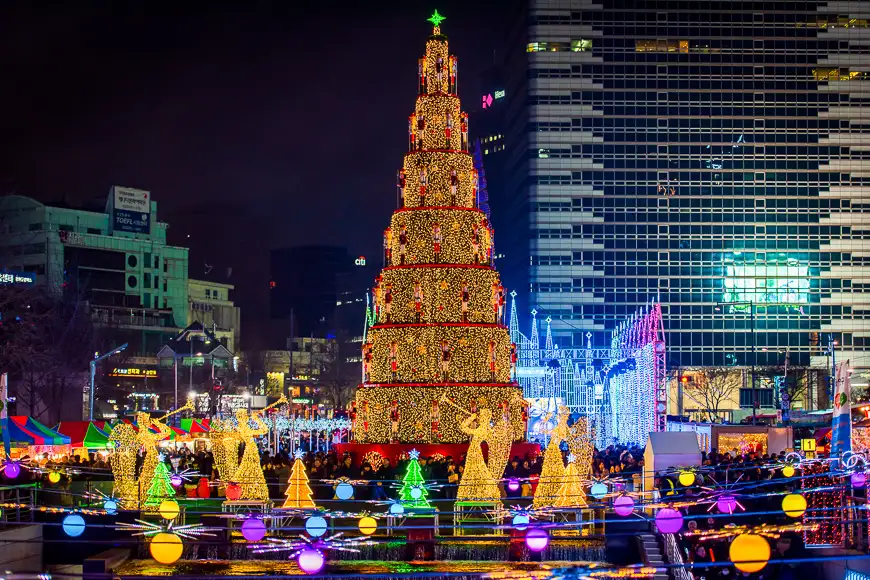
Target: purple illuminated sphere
column 726, row 504
column 310, row 561
column 623, row 505
column 859, row 479
column 12, row 470
column 669, row 521
column 175, row 480
column 513, row 484
column 537, row 539
column 254, row 529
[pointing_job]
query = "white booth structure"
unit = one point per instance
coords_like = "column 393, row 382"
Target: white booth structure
column 667, row 450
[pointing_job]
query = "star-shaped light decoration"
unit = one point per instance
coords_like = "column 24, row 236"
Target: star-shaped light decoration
column 534, row 311
column 298, row 454
column 443, row 285
column 414, row 454
column 436, row 19
column 295, row 546
column 513, row 293
column 571, row 458
column 143, row 528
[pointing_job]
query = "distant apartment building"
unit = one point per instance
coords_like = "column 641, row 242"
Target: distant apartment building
column 116, row 259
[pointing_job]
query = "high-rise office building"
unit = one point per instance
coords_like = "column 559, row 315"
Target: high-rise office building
column 704, row 153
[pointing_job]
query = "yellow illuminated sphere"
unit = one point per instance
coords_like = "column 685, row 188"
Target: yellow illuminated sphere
column 749, row 552
column 368, row 525
column 169, row 509
column 166, row 548
column 788, row 471
column 54, row 477
column 794, row 505
column 686, row 478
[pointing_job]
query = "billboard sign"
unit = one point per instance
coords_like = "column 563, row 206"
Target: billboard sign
column 131, row 210
column 17, row 278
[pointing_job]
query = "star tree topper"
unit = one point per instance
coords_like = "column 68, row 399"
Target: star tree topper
column 413, row 453
column 436, row 19
column 298, row 454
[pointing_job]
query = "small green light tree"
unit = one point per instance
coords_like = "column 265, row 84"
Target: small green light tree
column 413, row 492
column 161, row 487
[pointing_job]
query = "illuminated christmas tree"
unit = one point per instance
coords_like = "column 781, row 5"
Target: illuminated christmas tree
column 298, row 492
column 571, row 492
column 413, row 492
column 161, row 487
column 439, row 347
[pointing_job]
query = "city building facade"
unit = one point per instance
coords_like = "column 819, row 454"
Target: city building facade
column 709, row 155
column 211, row 304
column 134, row 282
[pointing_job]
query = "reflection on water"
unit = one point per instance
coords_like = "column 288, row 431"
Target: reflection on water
column 346, row 569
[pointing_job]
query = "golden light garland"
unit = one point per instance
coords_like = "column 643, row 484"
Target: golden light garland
column 571, row 494
column 767, row 530
column 249, row 474
column 415, row 403
column 553, row 470
column 581, row 446
column 435, row 169
column 434, row 109
column 478, row 483
column 442, row 290
column 126, row 446
column 457, row 231
column 418, row 354
column 742, row 442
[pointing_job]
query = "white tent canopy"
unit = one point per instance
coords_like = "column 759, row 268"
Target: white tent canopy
column 669, row 449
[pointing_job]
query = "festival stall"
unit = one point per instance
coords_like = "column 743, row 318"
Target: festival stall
column 30, row 437
column 665, row 451
column 738, row 439
column 84, row 434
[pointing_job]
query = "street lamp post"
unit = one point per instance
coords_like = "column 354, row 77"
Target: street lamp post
column 93, row 365
column 751, row 306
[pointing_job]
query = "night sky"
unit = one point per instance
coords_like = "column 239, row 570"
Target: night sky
column 254, row 127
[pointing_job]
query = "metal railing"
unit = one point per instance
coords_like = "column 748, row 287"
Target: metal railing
column 674, row 555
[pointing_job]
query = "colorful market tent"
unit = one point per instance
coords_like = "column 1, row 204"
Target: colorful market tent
column 84, row 434
column 193, row 426
column 25, row 431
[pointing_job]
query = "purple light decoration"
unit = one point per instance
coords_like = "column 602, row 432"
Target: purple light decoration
column 726, row 504
column 669, row 521
column 858, row 479
column 254, row 529
column 175, row 480
column 12, row 470
column 513, row 484
column 310, row 561
column 537, row 539
column 623, row 505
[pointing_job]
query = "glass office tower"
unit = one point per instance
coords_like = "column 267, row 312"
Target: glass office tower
column 711, row 155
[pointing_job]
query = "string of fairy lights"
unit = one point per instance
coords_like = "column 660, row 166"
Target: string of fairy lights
column 746, row 550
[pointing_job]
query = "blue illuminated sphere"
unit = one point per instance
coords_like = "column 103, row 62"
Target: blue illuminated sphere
column 111, row 507
column 397, row 509
column 520, row 521
column 73, row 525
column 344, row 491
column 315, row 526
column 598, row 490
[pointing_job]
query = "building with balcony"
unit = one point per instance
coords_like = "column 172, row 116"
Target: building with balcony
column 211, row 304
column 117, row 260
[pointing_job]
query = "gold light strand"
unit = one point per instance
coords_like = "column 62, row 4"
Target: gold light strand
column 457, row 227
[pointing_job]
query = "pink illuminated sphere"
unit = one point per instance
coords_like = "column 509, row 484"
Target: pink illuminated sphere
column 858, row 479
column 254, row 529
column 623, row 505
column 726, row 504
column 310, row 561
column 669, row 521
column 537, row 539
column 12, row 470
